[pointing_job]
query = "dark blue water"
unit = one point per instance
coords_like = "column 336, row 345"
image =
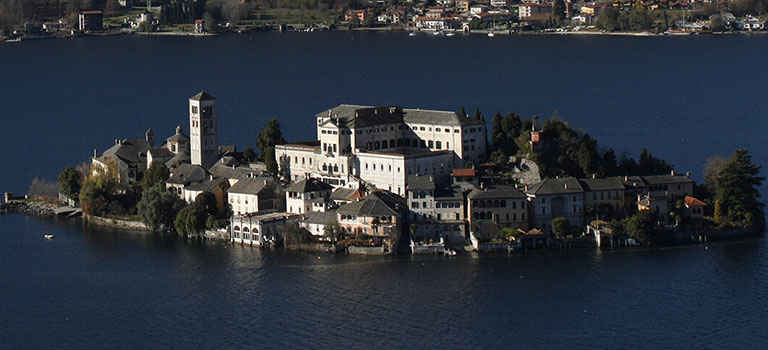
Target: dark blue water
column 685, row 99
column 91, row 288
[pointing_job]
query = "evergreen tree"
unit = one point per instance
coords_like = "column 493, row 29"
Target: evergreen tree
column 607, row 166
column 512, row 125
column 270, row 136
column 70, row 182
column 270, row 160
column 558, row 12
column 157, row 173
column 738, row 190
column 498, row 134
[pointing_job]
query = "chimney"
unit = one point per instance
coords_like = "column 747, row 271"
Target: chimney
column 95, row 153
column 672, row 172
column 526, row 188
column 688, row 173
column 117, row 142
column 210, row 176
column 626, row 177
column 594, row 175
column 150, row 137
column 566, row 187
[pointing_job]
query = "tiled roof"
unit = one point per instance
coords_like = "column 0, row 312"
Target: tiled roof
column 250, row 185
column 309, row 185
column 693, row 202
column 187, row 173
column 607, row 184
column 129, row 150
column 320, row 217
column 463, row 172
column 566, row 185
column 202, row 96
column 374, row 204
column 496, row 192
column 666, row 179
column 423, row 182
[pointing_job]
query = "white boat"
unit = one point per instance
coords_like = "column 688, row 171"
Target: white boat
column 437, row 32
column 412, row 34
column 450, row 34
column 17, row 40
column 48, row 236
column 491, row 35
column 450, row 252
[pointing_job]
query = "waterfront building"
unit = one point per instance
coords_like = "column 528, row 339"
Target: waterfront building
column 129, row 156
column 436, row 210
column 377, row 215
column 203, row 126
column 308, row 195
column 604, row 197
column 529, row 9
column 502, row 206
column 694, row 207
column 315, row 223
column 657, row 203
column 552, row 198
column 382, row 146
column 259, row 229
column 255, row 194
column 185, row 175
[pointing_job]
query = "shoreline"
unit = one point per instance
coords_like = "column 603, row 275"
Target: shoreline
column 504, row 32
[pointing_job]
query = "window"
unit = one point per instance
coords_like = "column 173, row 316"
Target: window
column 194, row 109
column 447, row 130
column 431, row 144
column 447, row 145
column 439, row 145
column 415, row 205
column 456, row 131
column 421, row 128
column 437, row 129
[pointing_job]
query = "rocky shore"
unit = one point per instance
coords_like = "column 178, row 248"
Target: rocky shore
column 27, row 207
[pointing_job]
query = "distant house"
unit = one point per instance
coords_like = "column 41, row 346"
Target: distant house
column 130, row 157
column 752, row 24
column 463, row 5
column 361, row 15
column 694, row 207
column 199, row 26
column 657, row 203
column 344, row 195
column 57, row 25
column 604, row 196
column 529, row 9
column 464, row 175
column 500, row 3
column 91, row 20
column 184, row 175
column 478, row 8
column 315, row 222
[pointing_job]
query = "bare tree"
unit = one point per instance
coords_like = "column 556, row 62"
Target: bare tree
column 233, row 11
column 43, row 189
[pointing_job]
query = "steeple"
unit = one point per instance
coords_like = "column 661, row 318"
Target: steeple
column 203, row 129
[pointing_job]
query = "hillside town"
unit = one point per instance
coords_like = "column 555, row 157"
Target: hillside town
column 39, row 19
column 381, row 179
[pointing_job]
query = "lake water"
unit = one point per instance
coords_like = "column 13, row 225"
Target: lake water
column 685, row 99
column 96, row 288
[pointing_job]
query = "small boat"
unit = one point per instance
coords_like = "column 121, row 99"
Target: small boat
column 491, row 35
column 412, row 34
column 437, row 32
column 17, row 40
column 48, row 236
column 450, row 34
column 450, row 252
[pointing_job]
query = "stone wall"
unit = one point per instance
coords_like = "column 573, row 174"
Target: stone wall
column 124, row 224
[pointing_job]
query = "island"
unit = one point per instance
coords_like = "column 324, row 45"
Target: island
column 388, row 179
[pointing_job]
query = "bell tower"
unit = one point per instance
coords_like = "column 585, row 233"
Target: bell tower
column 203, row 130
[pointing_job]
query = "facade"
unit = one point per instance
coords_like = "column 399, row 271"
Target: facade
column 504, row 206
column 254, row 195
column 199, row 26
column 377, row 215
column 552, row 198
column 91, row 20
column 604, row 197
column 259, row 229
column 383, row 145
column 694, row 207
column 657, row 203
column 203, row 127
column 308, row 195
column 315, row 223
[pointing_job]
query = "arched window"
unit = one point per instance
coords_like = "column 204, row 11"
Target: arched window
column 489, row 215
column 335, row 168
column 236, row 228
column 431, row 144
column 496, row 203
column 245, row 229
column 439, row 145
column 369, row 146
column 377, row 145
column 325, row 167
column 503, row 203
column 482, row 216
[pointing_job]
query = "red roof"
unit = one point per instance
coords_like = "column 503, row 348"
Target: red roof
column 463, row 172
column 198, row 21
column 693, row 202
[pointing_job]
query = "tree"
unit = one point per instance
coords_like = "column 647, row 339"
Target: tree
column 112, row 8
column 561, row 227
column 640, row 19
column 498, row 135
column 270, row 136
column 738, row 190
column 70, row 182
column 271, row 161
column 647, row 164
column 158, row 208
column 98, row 188
column 233, row 11
column 607, row 164
column 608, row 19
column 248, row 155
column 506, row 234
column 332, row 231
column 42, row 188
column 642, row 225
column 558, row 12
column 206, row 203
column 210, row 22
column 587, row 155
column 157, row 173
column 190, row 220
column 712, row 170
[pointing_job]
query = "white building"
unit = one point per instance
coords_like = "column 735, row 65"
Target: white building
column 259, row 229
column 383, row 145
column 308, row 195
